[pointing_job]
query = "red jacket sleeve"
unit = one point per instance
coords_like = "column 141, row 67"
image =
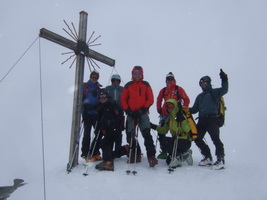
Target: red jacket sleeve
column 150, row 97
column 159, row 99
column 124, row 99
column 184, row 97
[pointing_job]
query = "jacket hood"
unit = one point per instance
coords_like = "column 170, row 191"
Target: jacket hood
column 138, row 68
column 206, row 79
column 175, row 109
column 115, row 76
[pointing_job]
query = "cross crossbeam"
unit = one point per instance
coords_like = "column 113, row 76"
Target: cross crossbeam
column 79, row 47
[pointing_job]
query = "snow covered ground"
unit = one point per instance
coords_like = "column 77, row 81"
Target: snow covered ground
column 188, row 38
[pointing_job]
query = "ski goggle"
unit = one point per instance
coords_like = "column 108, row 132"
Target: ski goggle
column 203, row 81
column 169, row 106
column 103, row 96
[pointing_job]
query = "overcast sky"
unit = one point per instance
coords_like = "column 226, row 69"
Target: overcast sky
column 189, row 38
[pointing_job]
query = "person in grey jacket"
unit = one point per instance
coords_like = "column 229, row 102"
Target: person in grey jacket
column 206, row 104
column 114, row 91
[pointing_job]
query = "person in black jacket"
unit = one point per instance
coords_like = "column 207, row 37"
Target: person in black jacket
column 108, row 129
column 206, row 104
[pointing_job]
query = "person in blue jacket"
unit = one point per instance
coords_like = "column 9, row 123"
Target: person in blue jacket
column 89, row 103
column 206, row 104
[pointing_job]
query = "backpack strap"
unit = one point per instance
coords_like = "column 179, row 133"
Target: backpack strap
column 176, row 91
column 87, row 89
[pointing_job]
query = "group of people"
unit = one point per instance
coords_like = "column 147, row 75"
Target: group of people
column 104, row 110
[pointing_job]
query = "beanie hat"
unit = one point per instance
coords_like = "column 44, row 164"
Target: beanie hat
column 94, row 73
column 170, row 75
column 206, row 79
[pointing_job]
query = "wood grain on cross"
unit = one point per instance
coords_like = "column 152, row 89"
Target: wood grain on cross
column 82, row 50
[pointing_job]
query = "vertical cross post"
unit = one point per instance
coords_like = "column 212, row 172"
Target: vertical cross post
column 77, row 101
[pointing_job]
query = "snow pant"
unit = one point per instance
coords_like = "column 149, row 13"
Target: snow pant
column 182, row 147
column 209, row 124
column 107, row 143
column 162, row 137
column 118, row 141
column 132, row 134
column 88, row 122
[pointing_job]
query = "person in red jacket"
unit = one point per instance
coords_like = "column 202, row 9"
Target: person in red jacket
column 136, row 98
column 171, row 91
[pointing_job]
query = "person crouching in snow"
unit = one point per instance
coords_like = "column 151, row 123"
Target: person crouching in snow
column 109, row 128
column 179, row 128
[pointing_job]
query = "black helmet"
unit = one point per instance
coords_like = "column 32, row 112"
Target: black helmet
column 102, row 93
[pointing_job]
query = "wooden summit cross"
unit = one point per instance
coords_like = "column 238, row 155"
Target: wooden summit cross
column 82, row 50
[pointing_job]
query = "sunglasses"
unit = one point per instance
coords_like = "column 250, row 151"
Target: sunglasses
column 170, row 79
column 169, row 106
column 94, row 77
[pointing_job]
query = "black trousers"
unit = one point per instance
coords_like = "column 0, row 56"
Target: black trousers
column 88, row 122
column 182, row 146
column 107, row 143
column 209, row 124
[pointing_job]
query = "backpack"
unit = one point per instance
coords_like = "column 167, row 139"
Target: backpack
column 192, row 123
column 221, row 112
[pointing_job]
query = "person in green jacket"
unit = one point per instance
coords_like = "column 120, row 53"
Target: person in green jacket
column 179, row 128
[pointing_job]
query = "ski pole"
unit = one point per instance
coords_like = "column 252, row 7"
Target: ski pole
column 92, row 151
column 128, row 171
column 69, row 165
column 174, row 150
column 136, row 144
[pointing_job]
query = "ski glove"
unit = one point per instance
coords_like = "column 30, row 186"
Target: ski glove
column 160, row 111
column 223, row 75
column 179, row 116
column 137, row 114
column 144, row 109
column 128, row 112
column 153, row 126
column 94, row 93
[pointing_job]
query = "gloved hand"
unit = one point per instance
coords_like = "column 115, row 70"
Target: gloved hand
column 94, row 93
column 89, row 106
column 185, row 109
column 128, row 112
column 153, row 126
column 144, row 109
column 223, row 75
column 137, row 114
column 179, row 116
column 160, row 111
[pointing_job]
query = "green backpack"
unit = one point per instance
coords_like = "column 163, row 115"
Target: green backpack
column 221, row 112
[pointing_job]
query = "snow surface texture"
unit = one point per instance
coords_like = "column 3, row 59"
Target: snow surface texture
column 189, row 38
